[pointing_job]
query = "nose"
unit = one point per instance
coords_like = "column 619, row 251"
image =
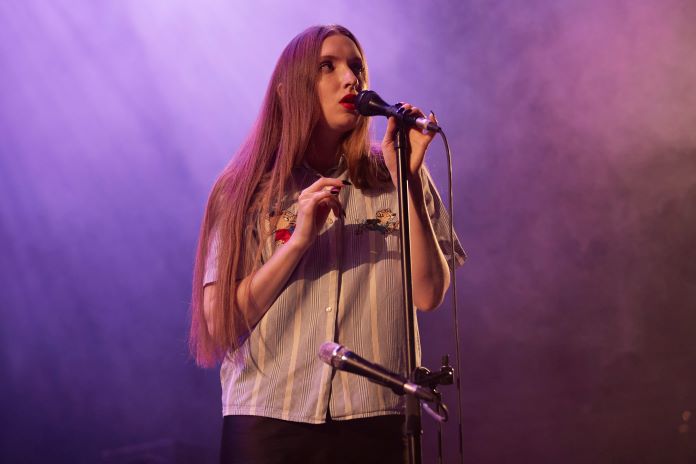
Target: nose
column 350, row 80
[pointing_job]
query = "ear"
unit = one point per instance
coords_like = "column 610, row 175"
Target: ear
column 280, row 89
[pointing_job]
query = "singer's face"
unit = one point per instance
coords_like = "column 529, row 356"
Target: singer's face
column 340, row 74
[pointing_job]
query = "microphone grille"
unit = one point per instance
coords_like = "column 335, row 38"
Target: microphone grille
column 367, row 102
column 327, row 351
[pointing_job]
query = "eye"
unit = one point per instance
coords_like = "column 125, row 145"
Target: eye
column 326, row 66
column 357, row 68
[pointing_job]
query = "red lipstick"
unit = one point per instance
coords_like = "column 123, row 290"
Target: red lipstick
column 348, row 102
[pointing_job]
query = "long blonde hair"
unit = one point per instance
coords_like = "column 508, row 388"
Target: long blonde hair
column 260, row 169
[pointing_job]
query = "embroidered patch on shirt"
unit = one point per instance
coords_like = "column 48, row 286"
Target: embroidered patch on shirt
column 285, row 226
column 385, row 222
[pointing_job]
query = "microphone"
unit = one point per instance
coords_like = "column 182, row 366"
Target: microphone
column 342, row 359
column 368, row 103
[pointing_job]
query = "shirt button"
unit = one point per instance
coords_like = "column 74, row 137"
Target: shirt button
column 328, row 309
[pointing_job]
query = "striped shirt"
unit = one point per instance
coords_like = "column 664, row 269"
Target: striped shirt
column 345, row 289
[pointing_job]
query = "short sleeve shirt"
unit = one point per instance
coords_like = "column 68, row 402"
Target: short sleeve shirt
column 345, row 289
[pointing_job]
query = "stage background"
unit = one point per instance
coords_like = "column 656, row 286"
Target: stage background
column 573, row 126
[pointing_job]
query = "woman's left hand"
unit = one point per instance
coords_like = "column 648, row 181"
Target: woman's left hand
column 419, row 141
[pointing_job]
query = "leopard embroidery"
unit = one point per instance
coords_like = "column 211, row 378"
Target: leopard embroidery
column 385, row 222
column 284, row 226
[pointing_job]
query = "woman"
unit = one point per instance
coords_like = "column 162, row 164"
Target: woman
column 298, row 246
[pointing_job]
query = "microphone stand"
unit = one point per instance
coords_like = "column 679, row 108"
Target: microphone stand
column 413, row 427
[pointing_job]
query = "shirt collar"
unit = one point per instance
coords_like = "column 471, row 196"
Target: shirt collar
column 335, row 172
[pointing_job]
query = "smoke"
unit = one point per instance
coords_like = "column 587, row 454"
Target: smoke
column 572, row 125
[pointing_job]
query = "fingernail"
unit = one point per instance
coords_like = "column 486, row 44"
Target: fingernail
column 335, row 191
column 346, row 182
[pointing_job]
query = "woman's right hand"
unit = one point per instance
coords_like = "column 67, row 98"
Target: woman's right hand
column 313, row 206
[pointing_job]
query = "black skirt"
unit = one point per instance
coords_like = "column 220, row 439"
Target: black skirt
column 262, row 440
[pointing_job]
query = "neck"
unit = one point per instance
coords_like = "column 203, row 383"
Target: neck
column 322, row 153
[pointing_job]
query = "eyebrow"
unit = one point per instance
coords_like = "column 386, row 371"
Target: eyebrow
column 333, row 57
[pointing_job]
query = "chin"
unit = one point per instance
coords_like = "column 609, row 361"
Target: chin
column 340, row 124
